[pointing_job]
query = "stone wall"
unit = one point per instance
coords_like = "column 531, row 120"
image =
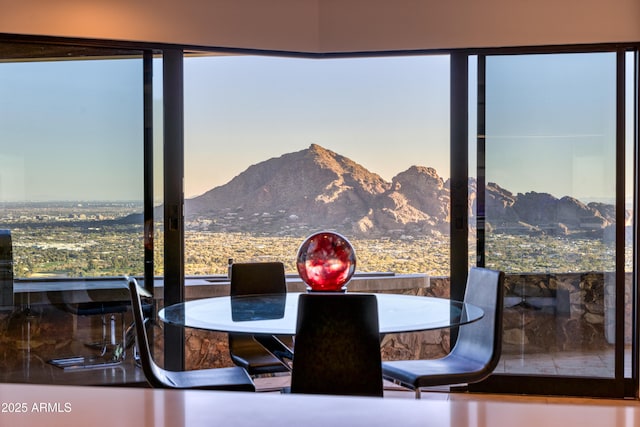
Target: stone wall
column 208, row 349
column 547, row 313
column 30, row 336
column 419, row 345
column 544, row 313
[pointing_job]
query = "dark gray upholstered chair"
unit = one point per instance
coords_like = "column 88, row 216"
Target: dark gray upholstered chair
column 337, row 345
column 233, row 378
column 477, row 349
column 250, row 279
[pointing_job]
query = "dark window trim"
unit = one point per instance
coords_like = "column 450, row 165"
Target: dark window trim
column 459, row 167
column 148, row 170
column 173, row 156
column 635, row 360
column 157, row 48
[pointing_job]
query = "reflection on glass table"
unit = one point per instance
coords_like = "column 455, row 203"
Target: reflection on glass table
column 268, row 314
column 244, row 309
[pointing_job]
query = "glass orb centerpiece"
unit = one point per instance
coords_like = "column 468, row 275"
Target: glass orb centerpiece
column 326, row 261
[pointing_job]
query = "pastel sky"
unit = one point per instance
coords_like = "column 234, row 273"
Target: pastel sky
column 551, row 124
column 386, row 114
column 72, row 129
column 550, row 118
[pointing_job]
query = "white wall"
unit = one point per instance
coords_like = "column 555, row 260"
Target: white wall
column 330, row 25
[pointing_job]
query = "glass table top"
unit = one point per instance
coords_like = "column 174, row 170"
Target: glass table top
column 276, row 314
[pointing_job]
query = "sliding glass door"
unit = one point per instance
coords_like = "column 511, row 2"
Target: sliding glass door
column 72, row 150
column 558, row 219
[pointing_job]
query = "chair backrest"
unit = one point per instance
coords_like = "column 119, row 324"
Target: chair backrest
column 257, row 278
column 481, row 341
column 337, row 345
column 152, row 372
column 249, row 279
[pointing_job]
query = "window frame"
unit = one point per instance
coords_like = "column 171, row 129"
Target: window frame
column 174, row 198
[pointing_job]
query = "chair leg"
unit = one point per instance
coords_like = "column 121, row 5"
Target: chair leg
column 418, row 395
column 131, row 341
column 101, row 345
column 119, row 352
column 110, row 346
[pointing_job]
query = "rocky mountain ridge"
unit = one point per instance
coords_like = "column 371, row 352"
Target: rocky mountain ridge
column 316, row 188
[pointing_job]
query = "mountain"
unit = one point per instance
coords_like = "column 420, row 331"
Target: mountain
column 417, row 202
column 316, row 188
column 313, row 186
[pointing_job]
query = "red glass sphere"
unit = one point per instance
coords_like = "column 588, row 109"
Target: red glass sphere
column 326, row 261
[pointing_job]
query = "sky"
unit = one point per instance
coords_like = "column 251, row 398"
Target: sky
column 71, row 130
column 551, row 124
column 387, row 115
column 550, row 118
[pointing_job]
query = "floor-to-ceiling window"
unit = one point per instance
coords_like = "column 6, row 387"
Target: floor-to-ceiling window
column 278, row 148
column 71, row 157
column 71, row 200
column 558, row 212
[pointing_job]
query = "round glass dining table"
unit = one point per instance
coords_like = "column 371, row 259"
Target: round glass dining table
column 271, row 314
